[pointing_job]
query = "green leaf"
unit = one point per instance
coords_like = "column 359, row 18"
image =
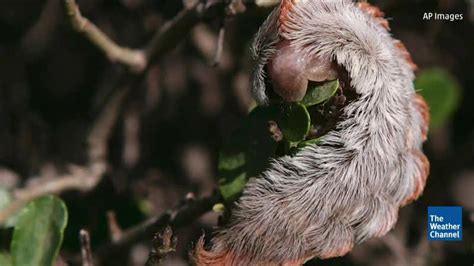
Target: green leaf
column 442, row 93
column 321, row 93
column 5, row 259
column 218, row 207
column 247, row 152
column 38, row 233
column 294, row 122
column 231, row 187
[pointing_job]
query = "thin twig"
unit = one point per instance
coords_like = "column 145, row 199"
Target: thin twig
column 104, row 124
column 163, row 40
column 133, row 58
column 86, row 252
column 173, row 31
column 79, row 178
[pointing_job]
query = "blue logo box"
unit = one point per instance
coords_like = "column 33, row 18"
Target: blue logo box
column 445, row 223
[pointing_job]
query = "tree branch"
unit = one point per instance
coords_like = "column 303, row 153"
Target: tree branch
column 187, row 212
column 173, row 31
column 79, row 178
column 135, row 59
column 165, row 38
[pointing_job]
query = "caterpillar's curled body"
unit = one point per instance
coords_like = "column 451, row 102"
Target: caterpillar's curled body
column 349, row 187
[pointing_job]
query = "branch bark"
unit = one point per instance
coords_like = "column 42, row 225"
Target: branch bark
column 135, row 59
column 165, row 38
column 185, row 213
column 86, row 253
column 79, row 178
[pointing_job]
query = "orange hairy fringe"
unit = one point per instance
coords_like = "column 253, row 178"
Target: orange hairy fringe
column 203, row 257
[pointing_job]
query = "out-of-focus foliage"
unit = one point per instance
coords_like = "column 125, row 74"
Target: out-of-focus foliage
column 247, row 152
column 5, row 259
column 442, row 93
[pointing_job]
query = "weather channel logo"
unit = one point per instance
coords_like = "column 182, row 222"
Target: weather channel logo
column 445, row 223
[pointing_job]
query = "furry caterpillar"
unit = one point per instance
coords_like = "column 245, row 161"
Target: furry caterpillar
column 349, row 187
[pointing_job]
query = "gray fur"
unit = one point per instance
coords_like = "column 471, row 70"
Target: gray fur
column 350, row 186
column 263, row 49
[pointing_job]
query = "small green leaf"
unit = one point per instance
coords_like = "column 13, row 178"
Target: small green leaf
column 5, row 259
column 218, row 207
column 38, row 233
column 442, row 93
column 145, row 206
column 247, row 152
column 294, row 121
column 321, row 93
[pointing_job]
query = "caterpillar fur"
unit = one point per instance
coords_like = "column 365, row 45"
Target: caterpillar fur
column 349, row 187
